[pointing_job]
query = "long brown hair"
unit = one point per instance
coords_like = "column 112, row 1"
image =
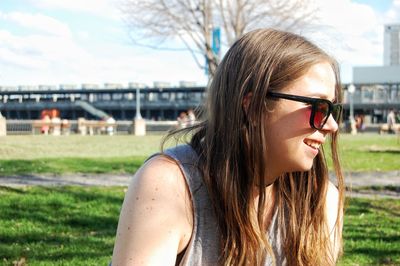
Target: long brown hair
column 231, row 143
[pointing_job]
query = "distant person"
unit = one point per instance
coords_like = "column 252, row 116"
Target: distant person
column 397, row 117
column 56, row 125
column 360, row 123
column 82, row 126
column 46, row 121
column 182, row 120
column 391, row 121
column 191, row 117
column 110, row 121
column 251, row 187
column 65, row 127
column 3, row 125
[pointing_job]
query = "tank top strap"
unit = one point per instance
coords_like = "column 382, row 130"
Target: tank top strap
column 204, row 245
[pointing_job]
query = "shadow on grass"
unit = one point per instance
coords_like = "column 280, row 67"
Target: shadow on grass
column 70, row 165
column 371, row 232
column 392, row 188
column 11, row 189
column 68, row 223
column 388, row 151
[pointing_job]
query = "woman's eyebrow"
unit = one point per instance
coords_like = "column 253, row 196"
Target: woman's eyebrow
column 321, row 95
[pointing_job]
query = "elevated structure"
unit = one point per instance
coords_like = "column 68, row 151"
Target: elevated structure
column 91, row 109
column 391, row 42
column 164, row 103
column 155, row 103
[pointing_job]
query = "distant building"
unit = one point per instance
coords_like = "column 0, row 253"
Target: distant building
column 391, row 42
column 389, row 73
column 378, row 87
column 376, row 74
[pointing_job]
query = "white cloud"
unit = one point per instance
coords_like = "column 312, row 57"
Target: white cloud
column 47, row 47
column 103, row 8
column 393, row 14
column 349, row 17
column 38, row 22
column 9, row 57
column 350, row 31
column 49, row 59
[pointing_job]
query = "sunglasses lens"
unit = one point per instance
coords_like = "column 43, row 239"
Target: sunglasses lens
column 321, row 114
column 337, row 112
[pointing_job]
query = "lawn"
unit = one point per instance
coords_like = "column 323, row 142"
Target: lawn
column 30, row 147
column 372, row 232
column 75, row 154
column 370, row 152
column 124, row 154
column 58, row 226
column 76, row 226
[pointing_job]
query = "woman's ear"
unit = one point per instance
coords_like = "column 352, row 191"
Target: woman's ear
column 246, row 101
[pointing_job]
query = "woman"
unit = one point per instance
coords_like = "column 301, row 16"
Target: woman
column 251, row 187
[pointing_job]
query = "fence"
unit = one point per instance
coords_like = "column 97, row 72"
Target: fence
column 27, row 127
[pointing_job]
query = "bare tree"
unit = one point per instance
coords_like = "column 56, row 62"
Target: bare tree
column 193, row 21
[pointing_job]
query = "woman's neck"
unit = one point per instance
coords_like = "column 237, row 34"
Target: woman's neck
column 269, row 203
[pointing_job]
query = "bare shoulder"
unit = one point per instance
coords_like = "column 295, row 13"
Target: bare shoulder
column 332, row 204
column 158, row 172
column 332, row 196
column 156, row 219
column 335, row 219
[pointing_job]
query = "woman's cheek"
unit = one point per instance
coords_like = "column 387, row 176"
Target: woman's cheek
column 306, row 117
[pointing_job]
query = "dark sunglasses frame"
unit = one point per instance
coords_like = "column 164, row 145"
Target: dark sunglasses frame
column 334, row 109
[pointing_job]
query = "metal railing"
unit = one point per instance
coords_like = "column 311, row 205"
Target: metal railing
column 27, row 127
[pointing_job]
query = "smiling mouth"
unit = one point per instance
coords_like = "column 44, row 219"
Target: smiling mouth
column 312, row 144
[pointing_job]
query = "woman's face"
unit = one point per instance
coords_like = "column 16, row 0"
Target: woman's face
column 292, row 142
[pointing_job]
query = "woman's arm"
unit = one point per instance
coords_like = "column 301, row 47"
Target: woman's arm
column 156, row 217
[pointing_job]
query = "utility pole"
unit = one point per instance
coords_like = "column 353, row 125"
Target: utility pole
column 139, row 123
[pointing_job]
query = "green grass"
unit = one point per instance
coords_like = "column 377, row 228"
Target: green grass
column 370, row 152
column 372, row 232
column 123, row 154
column 76, row 226
column 116, row 165
column 59, row 226
column 75, row 146
column 75, row 154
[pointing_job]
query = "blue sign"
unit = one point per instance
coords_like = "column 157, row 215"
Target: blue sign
column 206, row 66
column 216, row 41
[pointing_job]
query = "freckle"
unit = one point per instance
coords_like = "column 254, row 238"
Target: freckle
column 137, row 198
column 130, row 258
column 156, row 188
column 129, row 228
column 152, row 199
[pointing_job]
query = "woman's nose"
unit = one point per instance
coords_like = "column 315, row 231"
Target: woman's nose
column 331, row 124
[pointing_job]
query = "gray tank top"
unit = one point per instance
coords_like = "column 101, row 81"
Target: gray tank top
column 204, row 245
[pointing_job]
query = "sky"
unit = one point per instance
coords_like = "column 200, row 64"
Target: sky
column 56, row 42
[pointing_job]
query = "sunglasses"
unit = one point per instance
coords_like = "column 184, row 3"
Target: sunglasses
column 321, row 109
